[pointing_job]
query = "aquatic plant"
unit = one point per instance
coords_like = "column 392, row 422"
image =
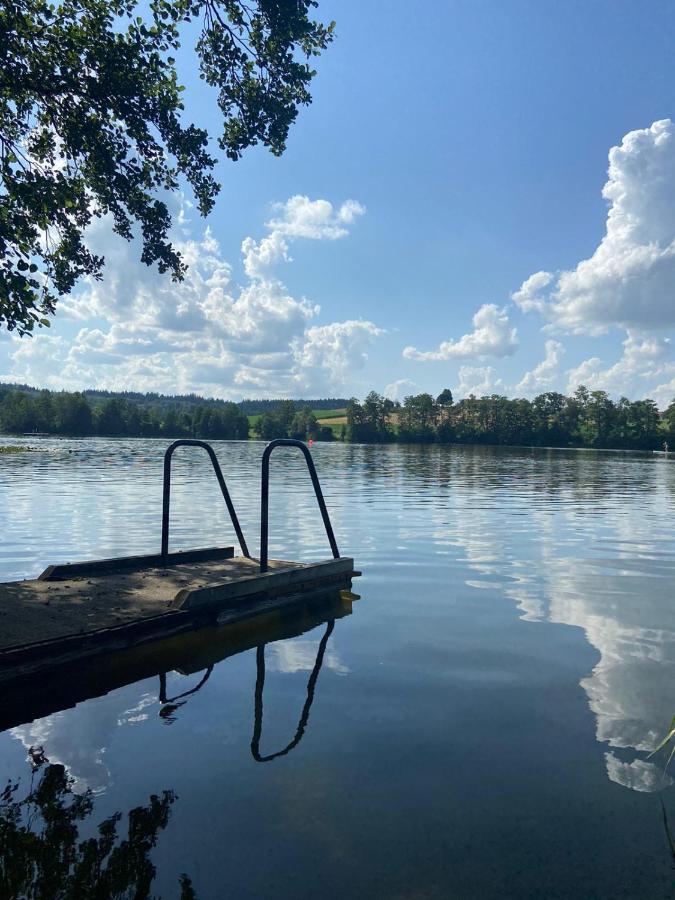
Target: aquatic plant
column 667, row 742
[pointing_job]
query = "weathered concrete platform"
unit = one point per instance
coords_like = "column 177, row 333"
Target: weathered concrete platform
column 32, row 696
column 75, row 611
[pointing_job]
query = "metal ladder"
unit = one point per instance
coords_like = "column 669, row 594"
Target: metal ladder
column 264, row 496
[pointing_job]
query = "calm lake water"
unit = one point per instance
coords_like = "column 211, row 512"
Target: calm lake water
column 481, row 723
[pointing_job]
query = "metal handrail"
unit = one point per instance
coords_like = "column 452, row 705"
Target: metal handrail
column 304, row 716
column 189, row 442
column 265, row 497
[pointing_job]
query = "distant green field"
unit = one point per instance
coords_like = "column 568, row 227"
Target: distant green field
column 328, row 413
column 320, row 414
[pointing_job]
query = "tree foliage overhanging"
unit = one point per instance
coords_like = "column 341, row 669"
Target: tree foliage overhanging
column 92, row 123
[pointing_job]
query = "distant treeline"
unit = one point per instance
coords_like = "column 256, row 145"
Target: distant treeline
column 289, row 419
column 24, row 409
column 586, row 419
column 253, row 407
column 74, row 414
column 180, row 401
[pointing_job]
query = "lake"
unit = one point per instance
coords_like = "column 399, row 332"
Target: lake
column 481, row 723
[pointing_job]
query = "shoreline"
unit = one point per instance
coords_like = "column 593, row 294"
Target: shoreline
column 12, row 448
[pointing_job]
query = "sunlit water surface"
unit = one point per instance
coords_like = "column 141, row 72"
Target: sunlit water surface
column 482, row 721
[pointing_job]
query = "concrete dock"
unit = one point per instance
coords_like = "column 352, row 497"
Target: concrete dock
column 76, row 611
column 72, row 612
column 26, row 698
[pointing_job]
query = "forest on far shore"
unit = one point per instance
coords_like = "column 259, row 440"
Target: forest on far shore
column 75, row 415
column 585, row 419
column 25, row 410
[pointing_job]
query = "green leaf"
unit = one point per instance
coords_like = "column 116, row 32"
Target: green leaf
column 119, row 98
column 669, row 737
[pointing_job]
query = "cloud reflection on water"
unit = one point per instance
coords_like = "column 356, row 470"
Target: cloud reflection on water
column 610, row 575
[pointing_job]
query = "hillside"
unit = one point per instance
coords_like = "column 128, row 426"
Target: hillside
column 248, row 407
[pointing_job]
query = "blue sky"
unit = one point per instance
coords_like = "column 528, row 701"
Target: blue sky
column 473, row 139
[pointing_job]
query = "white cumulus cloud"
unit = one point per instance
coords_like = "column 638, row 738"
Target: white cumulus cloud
column 142, row 331
column 629, row 280
column 480, row 381
column 336, row 349
column 528, row 296
column 492, row 336
column 400, row 389
column 544, row 375
column 645, row 358
column 300, row 217
column 260, row 256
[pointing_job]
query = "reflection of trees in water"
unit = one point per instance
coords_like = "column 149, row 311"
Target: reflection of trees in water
column 493, row 473
column 540, row 472
column 41, row 856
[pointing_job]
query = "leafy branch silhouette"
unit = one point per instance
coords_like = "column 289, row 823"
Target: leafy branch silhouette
column 42, row 858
